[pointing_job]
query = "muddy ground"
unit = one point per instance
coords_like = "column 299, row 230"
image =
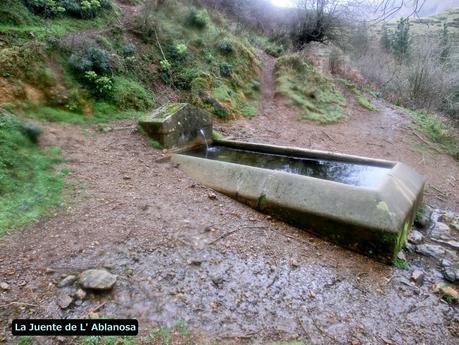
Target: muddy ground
column 233, row 275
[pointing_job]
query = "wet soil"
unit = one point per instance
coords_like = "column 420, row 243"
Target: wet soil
column 184, row 252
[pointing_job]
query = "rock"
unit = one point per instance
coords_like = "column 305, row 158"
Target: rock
column 212, row 196
column 64, row 301
column 424, row 220
column 441, row 231
column 4, row 286
column 293, row 263
column 451, row 274
column 418, row 277
column 96, row 279
column 415, row 237
column 454, row 226
column 401, row 255
column 447, row 292
column 80, row 294
column 432, row 250
column 67, row 281
column 447, row 218
column 453, row 244
column 217, row 280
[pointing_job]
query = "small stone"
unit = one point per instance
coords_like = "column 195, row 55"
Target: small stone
column 415, row 237
column 80, row 294
column 4, row 286
column 447, row 292
column 64, row 301
column 293, row 263
column 126, row 177
column 67, row 281
column 96, row 279
column 418, row 277
column 442, row 228
column 447, row 218
column 401, row 255
column 212, row 196
column 451, row 274
column 217, row 280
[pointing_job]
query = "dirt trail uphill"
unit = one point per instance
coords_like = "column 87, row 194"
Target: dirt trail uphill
column 184, row 252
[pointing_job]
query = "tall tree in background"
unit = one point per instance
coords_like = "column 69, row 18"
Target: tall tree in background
column 401, row 40
column 317, row 21
column 444, row 44
column 385, row 40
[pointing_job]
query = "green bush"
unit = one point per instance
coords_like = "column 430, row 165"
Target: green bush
column 93, row 59
column 128, row 94
column 13, row 12
column 99, row 85
column 198, row 18
column 226, row 70
column 74, row 8
column 226, row 47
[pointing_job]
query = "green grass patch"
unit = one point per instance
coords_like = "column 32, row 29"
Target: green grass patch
column 440, row 135
column 29, row 186
column 401, row 264
column 101, row 112
column 359, row 95
column 110, row 340
column 317, row 95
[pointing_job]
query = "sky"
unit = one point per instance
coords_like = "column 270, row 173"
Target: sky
column 430, row 7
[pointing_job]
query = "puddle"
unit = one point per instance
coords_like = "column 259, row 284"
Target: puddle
column 363, row 175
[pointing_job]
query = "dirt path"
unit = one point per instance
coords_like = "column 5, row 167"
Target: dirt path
column 386, row 134
column 226, row 270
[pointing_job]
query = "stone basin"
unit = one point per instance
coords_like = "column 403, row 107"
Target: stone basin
column 366, row 205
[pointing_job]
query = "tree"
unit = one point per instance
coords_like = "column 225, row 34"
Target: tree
column 360, row 39
column 444, row 44
column 385, row 40
column 317, row 21
column 401, row 41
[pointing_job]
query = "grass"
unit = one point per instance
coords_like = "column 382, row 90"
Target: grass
column 29, row 186
column 101, row 112
column 319, row 97
column 360, row 97
column 437, row 131
column 110, row 340
column 401, row 264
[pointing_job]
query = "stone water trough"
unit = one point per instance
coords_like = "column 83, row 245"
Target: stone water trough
column 367, row 205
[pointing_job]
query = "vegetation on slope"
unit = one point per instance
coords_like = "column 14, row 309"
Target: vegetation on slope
column 316, row 94
column 83, row 65
column 28, row 183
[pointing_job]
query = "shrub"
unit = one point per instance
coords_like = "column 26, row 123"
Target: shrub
column 177, row 53
column 75, row 8
column 198, row 18
column 226, row 70
column 93, row 59
column 128, row 94
column 129, row 49
column 226, row 47
column 100, row 85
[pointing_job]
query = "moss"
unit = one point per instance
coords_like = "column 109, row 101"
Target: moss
column 363, row 101
column 317, row 95
column 129, row 94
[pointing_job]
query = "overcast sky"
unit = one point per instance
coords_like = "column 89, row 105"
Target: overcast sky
column 429, row 8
